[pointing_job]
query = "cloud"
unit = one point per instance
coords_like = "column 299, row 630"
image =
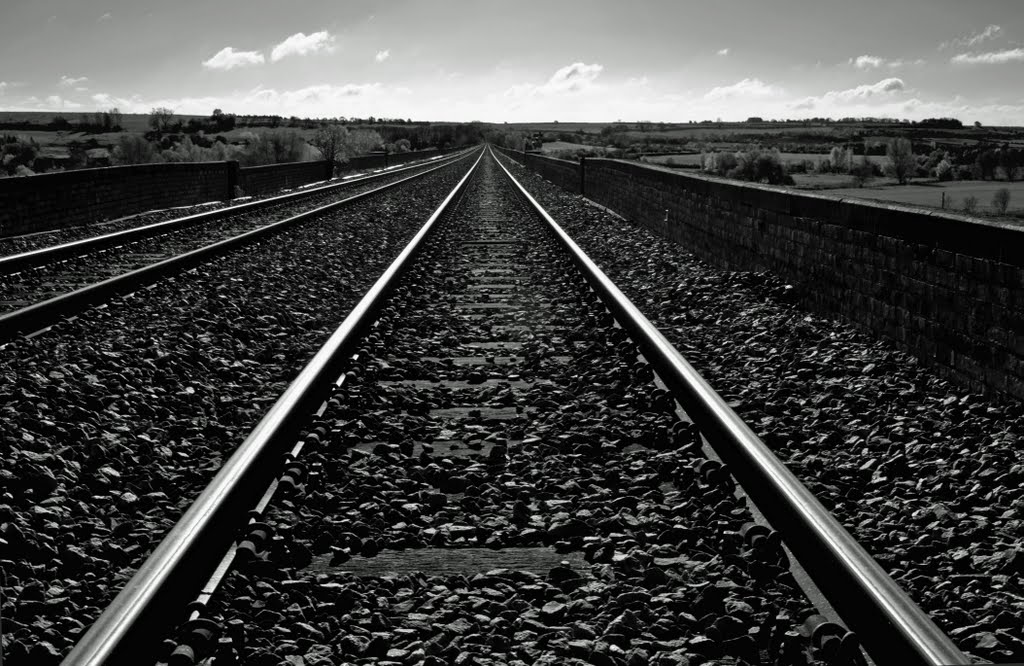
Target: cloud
column 572, row 78
column 382, row 55
column 867, row 94
column 58, row 102
column 744, row 88
column 867, row 62
column 71, row 81
column 991, row 58
column 990, row 32
column 323, row 92
column 228, row 58
column 125, row 104
column 3, row 84
column 893, row 64
column 723, row 52
column 868, row 91
column 302, row 44
column 105, row 17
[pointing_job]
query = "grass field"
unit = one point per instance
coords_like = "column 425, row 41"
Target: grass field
column 691, row 159
column 822, row 181
column 131, row 122
column 555, row 146
column 931, row 195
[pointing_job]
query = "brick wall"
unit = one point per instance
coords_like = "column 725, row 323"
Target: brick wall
column 563, row 173
column 84, row 196
column 274, row 177
column 68, row 198
column 946, row 287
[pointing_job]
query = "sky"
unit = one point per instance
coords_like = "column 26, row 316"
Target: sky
column 522, row 61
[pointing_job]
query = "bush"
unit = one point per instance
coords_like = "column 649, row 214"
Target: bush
column 1001, row 200
column 134, row 149
column 944, row 171
column 754, row 164
column 863, row 171
column 840, row 160
column 274, row 147
column 970, row 204
column 964, row 172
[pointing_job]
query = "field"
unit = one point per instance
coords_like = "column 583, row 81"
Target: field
column 694, row 160
column 556, row 146
column 931, row 194
column 131, row 122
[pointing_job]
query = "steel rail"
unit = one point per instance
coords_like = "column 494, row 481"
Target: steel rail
column 15, row 263
column 46, row 313
column 892, row 628
column 184, row 560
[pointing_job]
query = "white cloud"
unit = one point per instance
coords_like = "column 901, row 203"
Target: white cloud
column 105, row 17
column 991, row 58
column 893, row 64
column 57, row 102
column 867, row 62
column 228, row 58
column 382, row 55
column 71, row 81
column 303, row 44
column 133, row 104
column 3, row 84
column 352, row 99
column 572, row 78
column 744, row 88
column 990, row 32
column 867, row 91
column 839, row 102
column 723, row 52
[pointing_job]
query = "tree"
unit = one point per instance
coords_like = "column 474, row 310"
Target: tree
column 331, row 141
column 901, row 164
column 862, row 171
column 115, row 117
column 987, row 161
column 160, row 118
column 1001, row 200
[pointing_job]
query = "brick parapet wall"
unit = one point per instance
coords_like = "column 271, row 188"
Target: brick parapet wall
column 274, row 177
column 84, row 196
column 947, row 288
column 54, row 200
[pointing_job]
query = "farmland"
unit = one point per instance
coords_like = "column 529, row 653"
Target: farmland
column 931, row 194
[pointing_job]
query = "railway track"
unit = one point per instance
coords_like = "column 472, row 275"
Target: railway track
column 42, row 286
column 480, row 467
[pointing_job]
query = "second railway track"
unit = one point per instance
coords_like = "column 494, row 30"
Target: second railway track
column 497, row 479
column 39, row 287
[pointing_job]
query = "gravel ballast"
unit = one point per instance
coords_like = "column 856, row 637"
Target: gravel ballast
column 929, row 478
column 112, row 423
column 499, row 484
